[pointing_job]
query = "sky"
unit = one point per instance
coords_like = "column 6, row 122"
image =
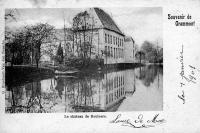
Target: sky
column 141, row 23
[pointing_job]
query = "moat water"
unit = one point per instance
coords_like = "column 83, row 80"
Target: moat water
column 138, row 89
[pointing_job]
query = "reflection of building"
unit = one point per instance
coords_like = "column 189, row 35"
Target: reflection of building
column 104, row 94
column 130, row 82
column 114, row 90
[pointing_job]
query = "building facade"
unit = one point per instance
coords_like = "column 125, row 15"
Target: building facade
column 129, row 48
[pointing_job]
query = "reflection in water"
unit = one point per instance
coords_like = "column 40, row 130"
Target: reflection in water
column 148, row 74
column 124, row 90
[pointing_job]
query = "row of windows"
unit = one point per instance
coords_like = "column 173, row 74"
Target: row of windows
column 114, row 52
column 114, row 83
column 113, row 40
column 115, row 95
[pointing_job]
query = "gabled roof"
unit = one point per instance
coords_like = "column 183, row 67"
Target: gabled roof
column 107, row 21
column 128, row 39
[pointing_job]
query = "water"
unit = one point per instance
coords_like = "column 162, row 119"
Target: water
column 139, row 89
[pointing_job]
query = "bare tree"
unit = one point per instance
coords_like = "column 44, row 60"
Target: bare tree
column 10, row 15
column 40, row 33
column 17, row 47
column 140, row 55
column 83, row 25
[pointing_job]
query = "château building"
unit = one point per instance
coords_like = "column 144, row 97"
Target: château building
column 94, row 34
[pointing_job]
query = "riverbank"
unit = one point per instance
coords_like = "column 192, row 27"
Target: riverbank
column 18, row 75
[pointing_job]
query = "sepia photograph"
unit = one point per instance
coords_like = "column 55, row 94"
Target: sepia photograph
column 97, row 59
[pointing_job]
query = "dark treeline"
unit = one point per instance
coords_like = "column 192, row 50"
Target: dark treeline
column 24, row 46
column 150, row 52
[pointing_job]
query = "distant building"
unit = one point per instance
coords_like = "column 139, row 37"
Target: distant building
column 129, row 48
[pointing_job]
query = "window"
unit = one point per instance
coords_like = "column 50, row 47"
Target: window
column 117, row 81
column 118, row 41
column 105, row 38
column 111, row 51
column 121, row 80
column 108, row 39
column 122, row 53
column 114, row 52
column 114, row 82
column 119, row 53
column 106, row 49
column 111, row 39
column 111, row 84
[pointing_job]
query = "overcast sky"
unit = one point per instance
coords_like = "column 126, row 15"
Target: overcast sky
column 142, row 23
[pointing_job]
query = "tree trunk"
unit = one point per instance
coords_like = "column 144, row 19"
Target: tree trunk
column 12, row 60
column 37, row 57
